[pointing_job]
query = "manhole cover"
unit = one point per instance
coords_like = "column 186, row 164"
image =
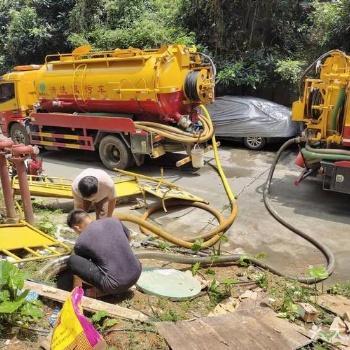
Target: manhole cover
column 168, row 283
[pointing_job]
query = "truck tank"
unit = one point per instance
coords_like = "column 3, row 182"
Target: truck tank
column 157, row 85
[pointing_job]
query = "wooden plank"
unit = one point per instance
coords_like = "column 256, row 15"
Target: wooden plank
column 338, row 304
column 257, row 329
column 88, row 304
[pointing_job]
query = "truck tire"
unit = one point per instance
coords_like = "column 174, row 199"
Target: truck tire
column 18, row 133
column 114, row 153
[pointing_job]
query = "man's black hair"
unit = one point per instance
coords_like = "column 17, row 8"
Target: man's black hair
column 75, row 217
column 88, row 186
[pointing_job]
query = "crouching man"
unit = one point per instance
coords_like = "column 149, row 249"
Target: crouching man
column 103, row 256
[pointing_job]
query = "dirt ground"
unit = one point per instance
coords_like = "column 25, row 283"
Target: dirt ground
column 220, row 284
column 126, row 334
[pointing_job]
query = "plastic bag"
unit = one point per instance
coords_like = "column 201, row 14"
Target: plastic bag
column 72, row 329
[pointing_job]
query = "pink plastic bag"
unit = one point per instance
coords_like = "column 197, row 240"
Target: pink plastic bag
column 72, row 329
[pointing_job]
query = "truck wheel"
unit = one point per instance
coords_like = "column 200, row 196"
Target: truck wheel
column 18, row 133
column 114, row 153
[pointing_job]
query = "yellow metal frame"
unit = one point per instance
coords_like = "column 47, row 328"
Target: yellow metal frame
column 61, row 187
column 162, row 189
column 126, row 184
column 23, row 242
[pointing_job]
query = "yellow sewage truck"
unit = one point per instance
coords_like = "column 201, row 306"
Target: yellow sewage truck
column 324, row 107
column 124, row 103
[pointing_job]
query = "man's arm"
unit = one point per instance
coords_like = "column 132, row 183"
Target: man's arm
column 78, row 202
column 111, row 206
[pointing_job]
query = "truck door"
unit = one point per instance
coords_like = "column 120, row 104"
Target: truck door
column 7, row 97
column 8, row 104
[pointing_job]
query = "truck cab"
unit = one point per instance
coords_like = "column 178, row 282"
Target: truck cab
column 17, row 97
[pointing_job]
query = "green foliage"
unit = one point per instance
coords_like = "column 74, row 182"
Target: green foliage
column 195, row 267
column 171, row 316
column 136, row 23
column 318, row 272
column 217, row 250
column 330, row 29
column 163, row 245
column 244, row 260
column 101, row 322
column 217, row 295
column 340, row 289
column 261, row 280
column 197, row 245
column 261, row 255
column 287, row 294
column 14, row 306
column 47, row 226
column 290, row 70
column 258, row 46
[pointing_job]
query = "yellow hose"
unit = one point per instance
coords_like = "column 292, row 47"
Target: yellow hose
column 176, row 134
column 211, row 237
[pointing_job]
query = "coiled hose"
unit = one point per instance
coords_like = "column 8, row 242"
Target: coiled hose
column 176, row 134
column 58, row 265
column 211, row 237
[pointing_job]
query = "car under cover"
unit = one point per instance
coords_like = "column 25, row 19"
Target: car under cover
column 242, row 116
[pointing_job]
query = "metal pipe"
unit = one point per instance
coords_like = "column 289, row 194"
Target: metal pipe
column 6, row 182
column 20, row 153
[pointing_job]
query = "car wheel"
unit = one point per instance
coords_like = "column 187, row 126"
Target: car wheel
column 254, row 143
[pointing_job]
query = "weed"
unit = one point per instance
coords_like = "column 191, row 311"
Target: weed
column 262, row 280
column 228, row 282
column 47, row 226
column 217, row 251
column 244, row 260
column 40, row 207
column 172, row 316
column 101, row 322
column 319, row 272
column 14, row 305
column 287, row 294
column 162, row 245
column 215, row 294
column 261, row 255
column 197, row 245
column 195, row 267
column 340, row 289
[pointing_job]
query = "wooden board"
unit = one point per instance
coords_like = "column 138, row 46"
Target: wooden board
column 88, row 304
column 338, row 304
column 256, row 329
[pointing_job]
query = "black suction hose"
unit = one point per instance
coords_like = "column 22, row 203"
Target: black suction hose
column 319, row 245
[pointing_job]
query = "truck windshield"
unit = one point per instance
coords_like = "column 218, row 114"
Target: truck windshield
column 7, row 92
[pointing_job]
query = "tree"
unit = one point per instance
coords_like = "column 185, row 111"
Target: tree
column 27, row 36
column 329, row 26
column 247, row 39
column 31, row 29
column 137, row 23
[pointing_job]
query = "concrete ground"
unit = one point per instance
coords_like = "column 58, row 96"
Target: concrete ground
column 323, row 215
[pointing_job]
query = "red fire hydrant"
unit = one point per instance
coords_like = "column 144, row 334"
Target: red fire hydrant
column 20, row 153
column 6, row 181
